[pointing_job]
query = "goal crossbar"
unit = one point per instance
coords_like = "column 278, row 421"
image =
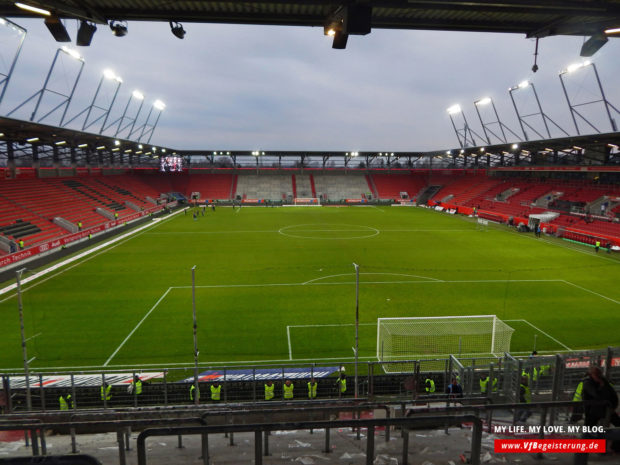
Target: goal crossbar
column 420, row 337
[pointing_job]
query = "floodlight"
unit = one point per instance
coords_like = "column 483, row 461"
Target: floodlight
column 137, row 94
column 523, row 84
column 60, row 142
column 101, row 147
column 119, row 28
column 177, row 29
column 340, row 40
column 462, row 151
column 117, row 142
column 72, row 53
column 448, row 152
column 482, row 149
column 159, row 104
column 574, row 67
column 614, row 30
column 483, row 101
column 32, row 139
column 109, row 74
column 454, row 109
column 330, row 32
column 85, row 33
column 33, row 9
column 515, row 146
column 82, row 146
column 1, row 134
column 57, row 29
column 140, row 146
column 592, row 45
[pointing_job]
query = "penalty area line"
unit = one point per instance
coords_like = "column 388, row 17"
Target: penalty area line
column 136, row 328
column 544, row 333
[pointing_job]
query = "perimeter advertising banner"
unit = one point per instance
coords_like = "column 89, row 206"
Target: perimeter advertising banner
column 263, row 374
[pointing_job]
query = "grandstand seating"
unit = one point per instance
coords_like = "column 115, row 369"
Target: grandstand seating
column 340, row 187
column 38, row 201
column 303, row 186
column 30, row 205
column 389, row 186
column 264, row 186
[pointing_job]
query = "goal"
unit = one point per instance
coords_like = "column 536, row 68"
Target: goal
column 307, row 201
column 434, row 337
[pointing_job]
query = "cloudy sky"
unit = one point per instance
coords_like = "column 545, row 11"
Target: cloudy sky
column 284, row 88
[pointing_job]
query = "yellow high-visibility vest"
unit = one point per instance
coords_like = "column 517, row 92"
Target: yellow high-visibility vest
column 312, row 390
column 107, row 395
column 215, row 392
column 288, row 391
column 269, row 391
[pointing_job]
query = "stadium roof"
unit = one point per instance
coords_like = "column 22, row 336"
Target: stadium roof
column 534, row 18
column 22, row 134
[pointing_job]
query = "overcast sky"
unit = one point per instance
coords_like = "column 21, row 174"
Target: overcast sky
column 284, row 88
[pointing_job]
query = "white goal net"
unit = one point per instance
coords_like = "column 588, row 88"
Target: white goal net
column 435, row 337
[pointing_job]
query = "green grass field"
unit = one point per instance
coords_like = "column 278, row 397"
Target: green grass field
column 279, row 284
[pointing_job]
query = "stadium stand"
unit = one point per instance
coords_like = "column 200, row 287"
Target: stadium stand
column 341, row 187
column 264, row 186
column 390, row 186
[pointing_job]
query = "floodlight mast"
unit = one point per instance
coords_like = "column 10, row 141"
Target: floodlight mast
column 466, row 131
column 522, row 122
column 572, row 107
column 486, row 101
column 4, row 82
column 67, row 98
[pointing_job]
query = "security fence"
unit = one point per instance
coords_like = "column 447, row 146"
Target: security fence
column 550, row 377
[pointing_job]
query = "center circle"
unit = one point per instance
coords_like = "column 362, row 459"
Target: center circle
column 328, row 231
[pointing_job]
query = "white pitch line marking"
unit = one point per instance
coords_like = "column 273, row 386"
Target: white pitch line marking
column 592, row 292
column 136, row 327
column 290, row 348
column 352, row 274
column 89, row 254
column 469, row 281
column 546, row 334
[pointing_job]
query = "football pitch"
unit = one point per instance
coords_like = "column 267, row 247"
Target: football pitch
column 278, row 285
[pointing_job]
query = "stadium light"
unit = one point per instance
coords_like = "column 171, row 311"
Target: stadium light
column 574, row 67
column 159, row 104
column 32, row 9
column 72, row 53
column 177, row 30
column 454, row 109
column 85, row 33
column 83, row 146
column 32, row 139
column 137, row 94
column 614, row 30
column 482, row 149
column 60, row 142
column 483, row 101
column 515, row 146
column 119, row 28
column 117, row 142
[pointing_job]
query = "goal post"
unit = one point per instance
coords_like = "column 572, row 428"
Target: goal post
column 433, row 337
